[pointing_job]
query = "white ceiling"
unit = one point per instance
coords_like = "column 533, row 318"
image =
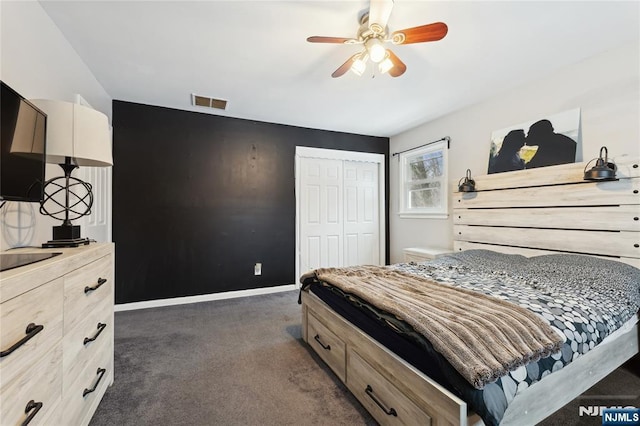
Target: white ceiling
column 255, row 55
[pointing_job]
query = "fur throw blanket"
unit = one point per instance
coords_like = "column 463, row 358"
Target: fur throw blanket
column 482, row 337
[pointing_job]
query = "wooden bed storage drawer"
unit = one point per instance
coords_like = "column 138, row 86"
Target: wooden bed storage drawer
column 327, row 344
column 415, row 398
column 383, row 400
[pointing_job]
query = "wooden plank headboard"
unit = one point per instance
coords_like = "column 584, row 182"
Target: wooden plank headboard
column 552, row 209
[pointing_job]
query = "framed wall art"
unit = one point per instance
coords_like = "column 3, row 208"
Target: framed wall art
column 543, row 142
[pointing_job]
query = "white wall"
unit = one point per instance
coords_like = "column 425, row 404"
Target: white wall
column 606, row 87
column 38, row 62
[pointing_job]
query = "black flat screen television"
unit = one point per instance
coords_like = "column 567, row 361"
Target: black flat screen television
column 23, row 129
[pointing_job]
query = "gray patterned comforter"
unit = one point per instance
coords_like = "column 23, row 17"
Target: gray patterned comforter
column 584, row 298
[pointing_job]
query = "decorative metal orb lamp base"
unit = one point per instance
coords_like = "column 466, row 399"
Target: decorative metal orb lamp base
column 66, row 236
column 76, row 202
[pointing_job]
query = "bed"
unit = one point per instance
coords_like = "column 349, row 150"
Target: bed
column 535, row 220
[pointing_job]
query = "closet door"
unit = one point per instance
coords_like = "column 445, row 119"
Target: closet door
column 340, row 212
column 361, row 214
column 320, row 213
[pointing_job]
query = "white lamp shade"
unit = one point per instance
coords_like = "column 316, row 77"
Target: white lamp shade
column 76, row 131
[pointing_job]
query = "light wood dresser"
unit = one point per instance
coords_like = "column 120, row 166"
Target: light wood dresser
column 56, row 336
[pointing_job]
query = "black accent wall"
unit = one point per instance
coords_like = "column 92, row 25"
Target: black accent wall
column 198, row 199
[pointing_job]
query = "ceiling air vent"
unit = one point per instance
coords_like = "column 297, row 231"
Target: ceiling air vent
column 205, row 101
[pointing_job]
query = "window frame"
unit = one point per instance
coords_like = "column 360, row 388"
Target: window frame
column 441, row 212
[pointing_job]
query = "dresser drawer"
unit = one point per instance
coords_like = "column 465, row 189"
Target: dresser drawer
column 86, row 341
column 85, row 288
column 36, row 313
column 383, row 400
column 39, row 382
column 327, row 344
column 87, row 390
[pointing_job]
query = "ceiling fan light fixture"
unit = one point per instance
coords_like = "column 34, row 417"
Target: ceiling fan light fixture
column 373, row 33
column 385, row 65
column 359, row 64
column 376, row 50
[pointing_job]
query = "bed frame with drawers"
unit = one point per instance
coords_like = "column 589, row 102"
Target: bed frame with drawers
column 529, row 212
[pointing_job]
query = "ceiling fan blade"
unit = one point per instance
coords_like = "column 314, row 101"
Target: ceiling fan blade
column 321, row 39
column 429, row 32
column 345, row 67
column 398, row 66
column 379, row 12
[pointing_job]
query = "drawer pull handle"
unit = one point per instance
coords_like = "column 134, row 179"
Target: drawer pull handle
column 31, row 405
column 101, row 327
column 389, row 412
column 326, row 347
column 101, row 281
column 31, row 331
column 100, row 374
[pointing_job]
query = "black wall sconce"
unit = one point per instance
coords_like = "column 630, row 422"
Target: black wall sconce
column 469, row 185
column 603, row 170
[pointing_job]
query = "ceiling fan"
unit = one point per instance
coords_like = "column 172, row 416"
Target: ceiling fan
column 373, row 33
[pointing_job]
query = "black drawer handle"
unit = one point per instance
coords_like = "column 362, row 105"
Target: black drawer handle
column 101, row 281
column 101, row 327
column 100, row 374
column 326, row 347
column 31, row 405
column 31, row 331
column 389, row 412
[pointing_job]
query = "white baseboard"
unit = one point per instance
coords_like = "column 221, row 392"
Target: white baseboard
column 203, row 298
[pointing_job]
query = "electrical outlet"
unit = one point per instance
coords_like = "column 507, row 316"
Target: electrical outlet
column 257, row 269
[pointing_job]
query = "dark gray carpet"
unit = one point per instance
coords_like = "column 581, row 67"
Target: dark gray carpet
column 243, row 362
column 231, row 362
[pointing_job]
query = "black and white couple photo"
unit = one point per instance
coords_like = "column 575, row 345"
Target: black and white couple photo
column 545, row 142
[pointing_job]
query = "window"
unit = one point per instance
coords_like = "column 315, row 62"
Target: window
column 423, row 182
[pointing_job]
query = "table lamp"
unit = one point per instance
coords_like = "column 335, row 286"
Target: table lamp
column 76, row 136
